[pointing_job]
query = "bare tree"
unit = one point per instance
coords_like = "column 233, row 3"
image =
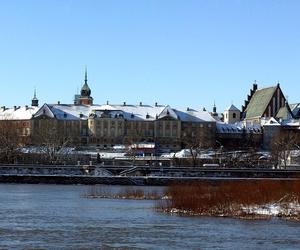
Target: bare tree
column 282, row 144
column 194, row 144
column 9, row 140
column 131, row 142
column 52, row 139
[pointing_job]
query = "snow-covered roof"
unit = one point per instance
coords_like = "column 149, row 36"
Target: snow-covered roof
column 128, row 112
column 270, row 122
column 132, row 112
column 291, row 122
column 18, row 113
column 192, row 115
column 64, row 111
column 295, row 108
column 232, row 108
column 239, row 127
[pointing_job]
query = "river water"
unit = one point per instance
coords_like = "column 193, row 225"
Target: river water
column 59, row 217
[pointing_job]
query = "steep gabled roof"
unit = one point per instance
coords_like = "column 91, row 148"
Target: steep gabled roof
column 271, row 122
column 45, row 110
column 232, row 108
column 64, row 111
column 284, row 113
column 259, row 102
column 168, row 112
column 295, row 108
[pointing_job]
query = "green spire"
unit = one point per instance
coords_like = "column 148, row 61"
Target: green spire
column 85, row 90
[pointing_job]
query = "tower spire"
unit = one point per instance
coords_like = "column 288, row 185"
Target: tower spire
column 85, row 76
column 85, row 92
column 34, row 101
column 214, row 108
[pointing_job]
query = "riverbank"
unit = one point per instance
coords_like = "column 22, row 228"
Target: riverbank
column 123, row 180
column 134, row 175
column 245, row 199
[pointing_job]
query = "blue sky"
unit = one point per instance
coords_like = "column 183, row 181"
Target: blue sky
column 181, row 53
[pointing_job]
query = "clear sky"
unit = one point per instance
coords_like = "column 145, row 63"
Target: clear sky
column 182, row 53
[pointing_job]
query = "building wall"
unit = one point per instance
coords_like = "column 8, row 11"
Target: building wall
column 203, row 133
column 20, row 130
column 268, row 135
column 105, row 131
column 239, row 140
column 167, row 133
column 231, row 117
column 69, row 131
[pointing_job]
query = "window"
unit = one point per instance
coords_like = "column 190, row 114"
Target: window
column 234, row 115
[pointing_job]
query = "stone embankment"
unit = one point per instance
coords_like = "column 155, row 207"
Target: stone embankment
column 133, row 175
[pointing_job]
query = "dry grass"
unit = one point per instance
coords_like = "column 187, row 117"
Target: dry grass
column 133, row 193
column 226, row 198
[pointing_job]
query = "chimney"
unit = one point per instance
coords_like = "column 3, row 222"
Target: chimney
column 107, row 102
column 58, row 102
column 26, row 107
column 124, row 103
column 141, row 104
column 15, row 108
column 156, row 104
column 187, row 109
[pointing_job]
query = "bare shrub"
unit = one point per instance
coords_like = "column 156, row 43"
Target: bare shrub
column 226, row 198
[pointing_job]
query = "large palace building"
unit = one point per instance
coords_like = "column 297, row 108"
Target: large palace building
column 105, row 125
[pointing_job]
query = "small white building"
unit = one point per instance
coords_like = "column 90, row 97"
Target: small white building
column 232, row 115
